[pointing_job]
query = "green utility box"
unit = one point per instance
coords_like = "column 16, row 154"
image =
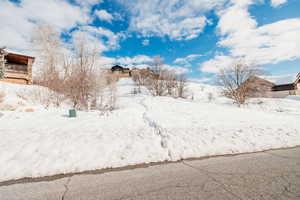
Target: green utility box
column 72, row 113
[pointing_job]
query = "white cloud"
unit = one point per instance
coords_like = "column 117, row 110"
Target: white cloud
column 88, row 3
column 105, row 62
column 104, row 15
column 145, row 42
column 179, row 20
column 21, row 19
column 281, row 79
column 118, row 16
column 186, row 60
column 276, row 3
column 217, row 63
column 60, row 14
column 176, row 69
column 97, row 38
column 91, row 41
column 139, row 59
column 270, row 43
column 112, row 39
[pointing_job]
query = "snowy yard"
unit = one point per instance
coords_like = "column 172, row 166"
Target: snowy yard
column 143, row 129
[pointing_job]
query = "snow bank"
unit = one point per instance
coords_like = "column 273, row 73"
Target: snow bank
column 294, row 97
column 21, row 97
column 194, row 130
column 143, row 129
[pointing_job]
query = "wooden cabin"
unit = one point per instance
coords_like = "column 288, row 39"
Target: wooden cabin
column 121, row 71
column 18, row 68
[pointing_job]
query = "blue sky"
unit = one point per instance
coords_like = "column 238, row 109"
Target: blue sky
column 193, row 36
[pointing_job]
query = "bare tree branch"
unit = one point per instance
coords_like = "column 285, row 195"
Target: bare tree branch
column 234, row 81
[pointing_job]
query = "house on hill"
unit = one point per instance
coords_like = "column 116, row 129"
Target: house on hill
column 260, row 87
column 121, row 71
column 17, row 68
column 283, row 90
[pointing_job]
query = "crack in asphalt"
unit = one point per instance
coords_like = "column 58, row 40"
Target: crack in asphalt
column 288, row 189
column 269, row 183
column 280, row 156
column 154, row 190
column 201, row 171
column 202, row 187
column 66, row 185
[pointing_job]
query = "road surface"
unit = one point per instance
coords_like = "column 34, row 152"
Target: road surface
column 272, row 175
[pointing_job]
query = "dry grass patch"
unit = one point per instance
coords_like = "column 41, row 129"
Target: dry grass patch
column 7, row 107
column 2, row 96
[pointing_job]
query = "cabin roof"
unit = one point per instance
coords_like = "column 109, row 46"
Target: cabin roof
column 17, row 58
column 117, row 68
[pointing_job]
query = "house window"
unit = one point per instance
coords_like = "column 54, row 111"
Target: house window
column 16, row 67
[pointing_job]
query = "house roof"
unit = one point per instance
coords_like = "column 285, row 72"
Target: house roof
column 18, row 58
column 284, row 87
column 117, row 68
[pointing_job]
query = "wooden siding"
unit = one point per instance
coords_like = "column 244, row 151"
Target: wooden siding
column 18, row 69
column 121, row 71
column 16, row 80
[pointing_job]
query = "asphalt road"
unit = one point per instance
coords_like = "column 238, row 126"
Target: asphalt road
column 271, row 175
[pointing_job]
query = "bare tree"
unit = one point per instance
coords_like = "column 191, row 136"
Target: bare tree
column 137, row 78
column 48, row 45
column 80, row 81
column 156, row 83
column 87, row 86
column 72, row 73
column 112, row 96
column 181, row 85
column 142, row 76
column 51, row 60
column 106, row 97
column 3, row 53
column 2, row 96
column 171, row 82
column 233, row 80
column 161, row 81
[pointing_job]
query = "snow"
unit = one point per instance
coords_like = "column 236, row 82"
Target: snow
column 293, row 97
column 143, row 129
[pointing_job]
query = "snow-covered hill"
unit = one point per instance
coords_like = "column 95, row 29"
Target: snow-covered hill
column 143, row 129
